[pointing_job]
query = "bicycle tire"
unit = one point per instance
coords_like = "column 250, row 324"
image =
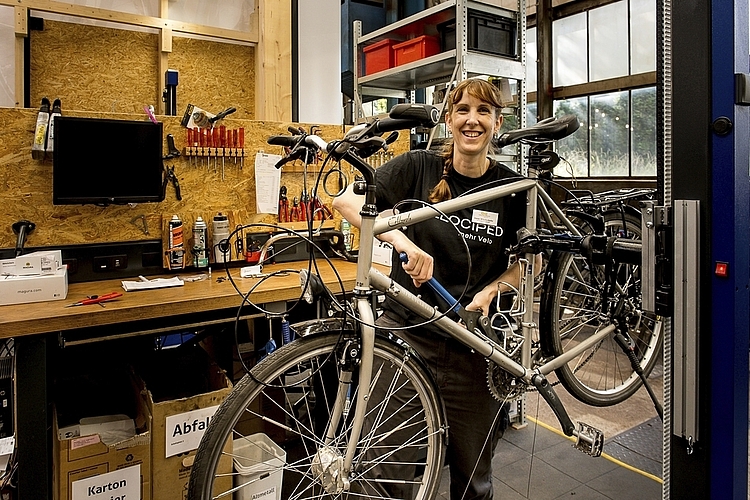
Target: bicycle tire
column 571, row 310
column 294, row 418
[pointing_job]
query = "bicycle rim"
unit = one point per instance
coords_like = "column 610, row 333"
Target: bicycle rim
column 287, row 399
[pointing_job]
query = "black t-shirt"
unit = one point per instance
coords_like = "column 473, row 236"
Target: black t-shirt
column 488, row 228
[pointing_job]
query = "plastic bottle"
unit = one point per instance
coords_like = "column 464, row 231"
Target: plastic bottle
column 220, row 232
column 56, row 111
column 40, row 131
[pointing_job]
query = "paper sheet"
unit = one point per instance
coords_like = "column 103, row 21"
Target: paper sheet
column 267, row 183
column 130, row 286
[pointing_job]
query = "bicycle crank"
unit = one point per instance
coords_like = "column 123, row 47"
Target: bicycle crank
column 327, row 467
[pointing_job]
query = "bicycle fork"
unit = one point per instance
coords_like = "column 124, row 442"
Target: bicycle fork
column 330, row 466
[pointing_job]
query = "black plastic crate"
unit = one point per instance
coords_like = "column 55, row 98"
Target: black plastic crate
column 492, row 34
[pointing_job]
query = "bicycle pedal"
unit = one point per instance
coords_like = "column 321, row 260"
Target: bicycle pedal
column 589, row 440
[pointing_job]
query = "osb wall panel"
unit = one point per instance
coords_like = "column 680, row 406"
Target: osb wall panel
column 26, row 186
column 214, row 76
column 93, row 68
column 111, row 70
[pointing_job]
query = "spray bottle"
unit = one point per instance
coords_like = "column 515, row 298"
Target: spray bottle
column 56, row 111
column 40, row 132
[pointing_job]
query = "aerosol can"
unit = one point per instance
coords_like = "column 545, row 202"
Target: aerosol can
column 40, row 131
column 56, row 111
column 200, row 244
column 220, row 232
column 176, row 251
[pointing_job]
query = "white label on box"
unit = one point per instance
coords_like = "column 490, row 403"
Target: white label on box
column 265, row 494
column 123, row 484
column 184, row 431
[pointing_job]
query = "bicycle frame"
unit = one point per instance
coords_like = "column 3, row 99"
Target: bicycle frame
column 369, row 279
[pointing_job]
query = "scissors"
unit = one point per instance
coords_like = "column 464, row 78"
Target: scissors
column 96, row 299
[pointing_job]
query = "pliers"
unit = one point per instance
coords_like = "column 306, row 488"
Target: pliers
column 283, row 205
column 169, row 175
column 321, row 211
column 295, row 217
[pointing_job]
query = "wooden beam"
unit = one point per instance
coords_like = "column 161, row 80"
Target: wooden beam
column 22, row 31
column 603, row 86
column 273, row 62
column 138, row 20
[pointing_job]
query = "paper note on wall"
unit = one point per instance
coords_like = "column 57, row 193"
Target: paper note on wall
column 267, row 183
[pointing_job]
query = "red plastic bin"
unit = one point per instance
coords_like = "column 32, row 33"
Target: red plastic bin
column 378, row 56
column 416, row 49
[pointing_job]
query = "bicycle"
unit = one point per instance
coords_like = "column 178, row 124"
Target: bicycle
column 312, row 396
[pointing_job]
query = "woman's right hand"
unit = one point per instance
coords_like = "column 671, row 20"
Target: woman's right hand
column 419, row 265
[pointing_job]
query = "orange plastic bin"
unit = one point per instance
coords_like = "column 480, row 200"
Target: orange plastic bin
column 416, row 49
column 378, row 56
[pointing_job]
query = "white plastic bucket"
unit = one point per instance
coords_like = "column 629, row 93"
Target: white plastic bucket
column 256, row 456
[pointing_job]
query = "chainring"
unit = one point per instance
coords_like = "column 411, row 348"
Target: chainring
column 502, row 384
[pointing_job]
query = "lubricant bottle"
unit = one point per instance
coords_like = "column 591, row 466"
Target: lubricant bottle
column 220, row 242
column 176, row 250
column 40, row 131
column 200, row 244
column 56, row 111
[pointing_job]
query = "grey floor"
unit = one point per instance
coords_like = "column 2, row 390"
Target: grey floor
column 538, row 462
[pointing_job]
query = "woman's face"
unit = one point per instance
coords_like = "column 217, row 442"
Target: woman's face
column 473, row 123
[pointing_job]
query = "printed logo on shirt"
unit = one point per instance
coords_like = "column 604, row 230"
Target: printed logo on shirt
column 474, row 231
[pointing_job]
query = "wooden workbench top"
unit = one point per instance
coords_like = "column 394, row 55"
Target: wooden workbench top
column 206, row 295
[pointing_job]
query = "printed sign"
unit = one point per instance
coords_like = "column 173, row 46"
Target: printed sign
column 185, row 430
column 118, row 485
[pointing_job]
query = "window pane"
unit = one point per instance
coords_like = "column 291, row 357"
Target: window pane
column 531, row 62
column 642, row 36
column 608, row 35
column 229, row 14
column 530, row 114
column 610, row 134
column 569, row 52
column 574, row 149
column 7, row 57
column 643, row 132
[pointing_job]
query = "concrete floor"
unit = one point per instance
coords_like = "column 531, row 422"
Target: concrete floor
column 538, row 462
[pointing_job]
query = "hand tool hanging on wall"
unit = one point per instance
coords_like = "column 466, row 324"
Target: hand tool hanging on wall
column 22, row 228
column 283, row 205
column 294, row 215
column 172, row 151
column 242, row 147
column 169, row 175
column 223, row 141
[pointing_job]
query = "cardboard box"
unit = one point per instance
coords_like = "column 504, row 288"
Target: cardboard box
column 42, row 262
column 84, row 466
column 182, row 402
column 38, row 288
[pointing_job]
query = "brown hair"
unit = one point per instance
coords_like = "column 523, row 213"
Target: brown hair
column 480, row 89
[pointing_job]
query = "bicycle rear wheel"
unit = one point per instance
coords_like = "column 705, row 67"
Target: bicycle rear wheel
column 572, row 309
column 288, row 397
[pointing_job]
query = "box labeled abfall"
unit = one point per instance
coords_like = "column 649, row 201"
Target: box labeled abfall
column 182, row 405
column 38, row 288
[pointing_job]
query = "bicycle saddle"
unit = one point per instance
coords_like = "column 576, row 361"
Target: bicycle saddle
column 547, row 130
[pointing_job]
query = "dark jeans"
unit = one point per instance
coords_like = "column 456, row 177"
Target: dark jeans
column 472, row 412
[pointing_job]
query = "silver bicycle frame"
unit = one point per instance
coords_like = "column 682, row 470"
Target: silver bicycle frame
column 370, row 278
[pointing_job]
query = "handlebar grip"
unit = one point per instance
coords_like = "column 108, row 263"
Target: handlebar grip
column 405, row 116
column 288, row 141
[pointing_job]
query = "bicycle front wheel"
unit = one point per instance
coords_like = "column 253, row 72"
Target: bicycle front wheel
column 572, row 310
column 286, row 402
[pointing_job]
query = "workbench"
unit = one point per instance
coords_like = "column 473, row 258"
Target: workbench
column 39, row 329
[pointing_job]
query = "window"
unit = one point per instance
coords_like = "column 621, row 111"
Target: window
column 7, row 57
column 569, row 51
column 617, row 137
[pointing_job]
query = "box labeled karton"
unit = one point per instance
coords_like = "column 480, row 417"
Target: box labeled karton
column 378, row 56
column 182, row 402
column 415, row 49
column 86, row 467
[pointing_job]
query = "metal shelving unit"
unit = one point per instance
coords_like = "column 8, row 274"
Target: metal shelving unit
column 451, row 65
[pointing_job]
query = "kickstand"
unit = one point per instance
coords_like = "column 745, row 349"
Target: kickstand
column 627, row 347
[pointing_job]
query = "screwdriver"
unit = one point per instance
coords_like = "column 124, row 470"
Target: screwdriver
column 234, row 146
column 188, row 144
column 223, row 139
column 216, row 148
column 196, row 131
column 202, row 140
column 96, row 299
column 242, row 146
